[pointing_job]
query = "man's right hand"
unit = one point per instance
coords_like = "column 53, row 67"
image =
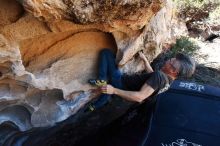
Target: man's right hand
column 148, row 68
column 107, row 89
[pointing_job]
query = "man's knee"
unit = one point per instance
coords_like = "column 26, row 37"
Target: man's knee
column 105, row 51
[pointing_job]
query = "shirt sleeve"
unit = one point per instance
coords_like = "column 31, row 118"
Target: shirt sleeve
column 155, row 80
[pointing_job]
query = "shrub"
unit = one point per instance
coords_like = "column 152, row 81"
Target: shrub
column 184, row 45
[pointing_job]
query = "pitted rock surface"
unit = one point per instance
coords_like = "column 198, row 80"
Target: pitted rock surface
column 49, row 49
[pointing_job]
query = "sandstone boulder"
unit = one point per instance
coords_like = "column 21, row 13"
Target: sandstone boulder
column 49, row 49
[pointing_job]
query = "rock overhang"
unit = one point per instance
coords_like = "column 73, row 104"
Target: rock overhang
column 55, row 44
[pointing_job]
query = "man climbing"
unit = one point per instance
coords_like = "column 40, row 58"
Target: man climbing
column 137, row 87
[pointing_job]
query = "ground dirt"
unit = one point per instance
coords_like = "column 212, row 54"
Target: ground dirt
column 208, row 63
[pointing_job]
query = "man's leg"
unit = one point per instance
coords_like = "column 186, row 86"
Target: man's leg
column 107, row 71
column 106, row 61
column 106, row 64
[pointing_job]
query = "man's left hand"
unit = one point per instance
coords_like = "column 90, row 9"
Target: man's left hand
column 107, row 89
column 142, row 56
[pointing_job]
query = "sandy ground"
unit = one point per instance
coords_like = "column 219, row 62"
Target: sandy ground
column 208, row 63
column 209, row 54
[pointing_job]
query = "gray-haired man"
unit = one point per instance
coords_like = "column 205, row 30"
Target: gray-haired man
column 138, row 87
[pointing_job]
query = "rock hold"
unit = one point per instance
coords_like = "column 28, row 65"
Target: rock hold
column 49, row 51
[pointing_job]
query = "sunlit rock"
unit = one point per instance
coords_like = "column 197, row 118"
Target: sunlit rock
column 49, row 49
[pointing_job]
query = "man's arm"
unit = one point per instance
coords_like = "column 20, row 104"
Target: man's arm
column 148, row 68
column 137, row 96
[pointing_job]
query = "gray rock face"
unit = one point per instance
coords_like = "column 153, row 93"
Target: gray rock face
column 49, row 49
column 18, row 114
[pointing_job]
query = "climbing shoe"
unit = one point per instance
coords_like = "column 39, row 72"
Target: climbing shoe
column 98, row 83
column 90, row 108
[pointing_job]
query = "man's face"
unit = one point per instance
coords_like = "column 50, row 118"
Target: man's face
column 171, row 67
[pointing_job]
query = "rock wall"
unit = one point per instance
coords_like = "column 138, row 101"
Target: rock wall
column 49, row 49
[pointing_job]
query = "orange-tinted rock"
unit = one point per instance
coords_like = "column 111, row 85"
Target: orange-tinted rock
column 10, row 12
column 26, row 27
column 53, row 48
